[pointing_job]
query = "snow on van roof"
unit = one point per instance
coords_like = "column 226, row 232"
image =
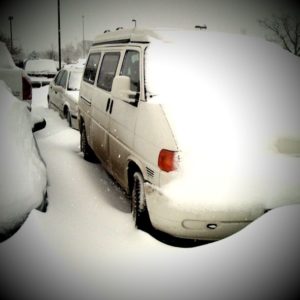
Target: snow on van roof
column 127, row 35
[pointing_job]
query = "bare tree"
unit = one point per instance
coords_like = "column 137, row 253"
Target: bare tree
column 285, row 30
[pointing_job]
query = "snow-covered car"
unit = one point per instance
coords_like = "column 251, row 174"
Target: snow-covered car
column 23, row 181
column 15, row 78
column 41, row 71
column 64, row 92
column 193, row 133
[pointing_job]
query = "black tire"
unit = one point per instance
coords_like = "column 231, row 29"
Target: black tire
column 69, row 118
column 49, row 103
column 44, row 204
column 138, row 202
column 87, row 151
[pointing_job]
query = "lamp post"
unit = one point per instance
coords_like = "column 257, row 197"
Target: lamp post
column 133, row 20
column 10, row 18
column 59, row 44
column 83, row 42
column 201, row 27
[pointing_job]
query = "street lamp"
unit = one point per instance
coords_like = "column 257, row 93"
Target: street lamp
column 59, row 44
column 133, row 20
column 83, row 42
column 201, row 27
column 10, row 18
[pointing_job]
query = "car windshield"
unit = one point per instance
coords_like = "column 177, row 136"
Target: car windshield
column 74, row 81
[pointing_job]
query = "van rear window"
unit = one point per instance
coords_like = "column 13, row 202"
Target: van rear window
column 108, row 70
column 91, row 68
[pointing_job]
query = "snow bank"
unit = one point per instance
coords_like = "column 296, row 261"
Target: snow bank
column 22, row 173
column 228, row 99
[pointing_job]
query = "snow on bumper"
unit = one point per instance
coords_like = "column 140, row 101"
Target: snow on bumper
column 194, row 223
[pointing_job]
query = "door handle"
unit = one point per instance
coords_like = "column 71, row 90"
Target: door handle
column 111, row 106
column 107, row 104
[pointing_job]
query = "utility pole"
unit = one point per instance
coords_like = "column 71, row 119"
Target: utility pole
column 10, row 18
column 83, row 42
column 59, row 44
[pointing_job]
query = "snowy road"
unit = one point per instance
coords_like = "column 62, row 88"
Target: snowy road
column 86, row 246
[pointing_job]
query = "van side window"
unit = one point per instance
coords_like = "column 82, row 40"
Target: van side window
column 131, row 68
column 108, row 70
column 91, row 68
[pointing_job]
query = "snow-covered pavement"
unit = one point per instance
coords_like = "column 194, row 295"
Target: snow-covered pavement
column 86, row 246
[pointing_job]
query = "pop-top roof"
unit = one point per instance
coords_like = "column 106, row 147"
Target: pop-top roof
column 126, row 36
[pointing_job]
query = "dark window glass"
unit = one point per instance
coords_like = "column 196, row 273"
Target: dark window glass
column 63, row 79
column 131, row 68
column 57, row 78
column 91, row 68
column 108, row 70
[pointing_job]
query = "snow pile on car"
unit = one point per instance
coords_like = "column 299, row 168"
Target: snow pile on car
column 40, row 65
column 22, row 173
column 6, row 61
column 229, row 99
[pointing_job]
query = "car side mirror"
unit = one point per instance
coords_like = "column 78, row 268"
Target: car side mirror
column 121, row 89
column 38, row 125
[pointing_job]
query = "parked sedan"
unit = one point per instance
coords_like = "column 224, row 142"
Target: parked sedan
column 23, row 184
column 41, row 71
column 64, row 92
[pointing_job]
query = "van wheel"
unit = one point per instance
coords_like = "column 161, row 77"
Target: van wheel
column 88, row 153
column 138, row 202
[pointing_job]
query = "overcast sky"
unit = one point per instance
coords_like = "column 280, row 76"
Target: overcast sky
column 35, row 21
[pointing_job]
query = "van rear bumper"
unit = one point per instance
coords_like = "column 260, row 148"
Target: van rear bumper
column 193, row 223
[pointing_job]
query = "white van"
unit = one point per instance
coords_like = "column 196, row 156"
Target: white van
column 171, row 120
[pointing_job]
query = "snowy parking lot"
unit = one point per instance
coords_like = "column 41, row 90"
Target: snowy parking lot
column 86, row 245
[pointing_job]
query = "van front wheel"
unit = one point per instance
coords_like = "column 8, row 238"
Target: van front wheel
column 138, row 202
column 85, row 147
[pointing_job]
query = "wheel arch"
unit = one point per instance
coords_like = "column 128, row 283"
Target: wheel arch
column 132, row 167
column 66, row 108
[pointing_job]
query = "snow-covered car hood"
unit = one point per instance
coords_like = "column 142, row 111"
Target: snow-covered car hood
column 229, row 99
column 22, row 172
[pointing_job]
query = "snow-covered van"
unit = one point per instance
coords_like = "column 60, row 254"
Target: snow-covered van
column 15, row 78
column 190, row 124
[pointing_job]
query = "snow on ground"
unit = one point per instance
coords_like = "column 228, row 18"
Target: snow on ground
column 86, row 247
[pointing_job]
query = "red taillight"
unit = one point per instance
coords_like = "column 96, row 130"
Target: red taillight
column 167, row 160
column 27, row 88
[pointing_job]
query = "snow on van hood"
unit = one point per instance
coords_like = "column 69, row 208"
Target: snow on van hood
column 229, row 100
